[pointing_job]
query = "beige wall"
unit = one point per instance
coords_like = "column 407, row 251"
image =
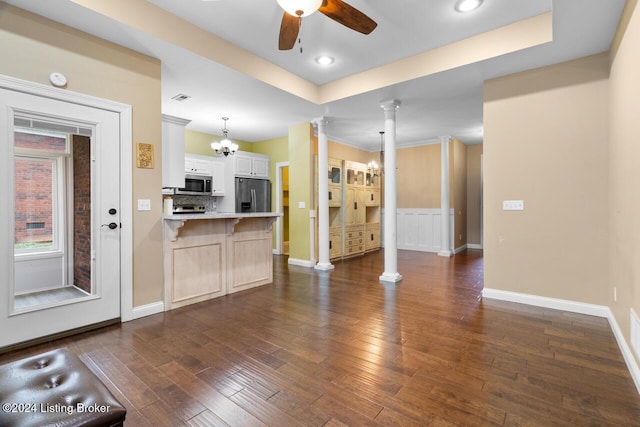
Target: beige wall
column 458, row 174
column 624, row 164
column 418, row 177
column 33, row 47
column 474, row 194
column 345, row 152
column 545, row 141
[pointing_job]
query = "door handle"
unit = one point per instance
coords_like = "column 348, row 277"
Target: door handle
column 111, row 225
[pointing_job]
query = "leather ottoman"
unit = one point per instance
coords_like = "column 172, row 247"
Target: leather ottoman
column 55, row 389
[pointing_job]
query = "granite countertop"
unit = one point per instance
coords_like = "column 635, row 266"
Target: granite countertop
column 220, row 215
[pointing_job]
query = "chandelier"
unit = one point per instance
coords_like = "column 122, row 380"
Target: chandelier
column 225, row 146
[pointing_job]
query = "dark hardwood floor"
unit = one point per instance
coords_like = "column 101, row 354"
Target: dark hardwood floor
column 339, row 348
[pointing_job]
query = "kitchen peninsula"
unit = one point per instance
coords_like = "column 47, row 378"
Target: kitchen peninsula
column 208, row 255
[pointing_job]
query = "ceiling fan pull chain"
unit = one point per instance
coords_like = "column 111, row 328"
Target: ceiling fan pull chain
column 300, row 38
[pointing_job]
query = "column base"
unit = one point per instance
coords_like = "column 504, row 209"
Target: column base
column 391, row 277
column 324, row 266
column 445, row 253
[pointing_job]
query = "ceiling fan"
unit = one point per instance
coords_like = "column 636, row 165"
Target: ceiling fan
column 337, row 10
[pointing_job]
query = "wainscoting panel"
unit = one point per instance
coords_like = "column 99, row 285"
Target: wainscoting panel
column 419, row 229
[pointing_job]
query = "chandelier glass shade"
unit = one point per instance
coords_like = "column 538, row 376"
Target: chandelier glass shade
column 225, row 146
column 300, row 7
column 372, row 168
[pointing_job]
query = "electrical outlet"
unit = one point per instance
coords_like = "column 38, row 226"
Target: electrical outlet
column 513, row 205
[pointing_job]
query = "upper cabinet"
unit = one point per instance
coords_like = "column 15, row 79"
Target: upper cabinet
column 197, row 165
column 252, row 165
column 355, row 173
column 173, row 151
column 218, row 174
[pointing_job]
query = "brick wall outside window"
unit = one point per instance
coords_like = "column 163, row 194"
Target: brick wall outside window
column 33, row 189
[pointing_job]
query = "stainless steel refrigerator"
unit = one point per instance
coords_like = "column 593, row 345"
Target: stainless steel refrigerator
column 253, row 195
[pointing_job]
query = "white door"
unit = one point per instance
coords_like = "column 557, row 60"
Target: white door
column 60, row 207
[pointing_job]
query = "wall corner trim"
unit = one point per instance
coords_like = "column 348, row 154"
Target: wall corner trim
column 574, row 307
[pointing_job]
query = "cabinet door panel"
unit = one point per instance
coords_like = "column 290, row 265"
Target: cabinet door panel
column 243, row 165
column 217, row 172
column 361, row 203
column 260, row 167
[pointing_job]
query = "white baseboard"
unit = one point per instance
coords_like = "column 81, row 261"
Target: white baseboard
column 301, row 262
column 474, row 246
column 460, row 249
column 147, row 310
column 554, row 303
column 574, row 307
column 627, row 354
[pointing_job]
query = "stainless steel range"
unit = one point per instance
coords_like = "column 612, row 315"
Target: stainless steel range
column 188, row 209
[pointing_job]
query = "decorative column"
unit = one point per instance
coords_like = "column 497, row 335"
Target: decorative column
column 390, row 194
column 323, row 196
column 445, row 240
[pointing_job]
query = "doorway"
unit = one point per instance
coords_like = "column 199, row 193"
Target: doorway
column 282, row 206
column 61, row 248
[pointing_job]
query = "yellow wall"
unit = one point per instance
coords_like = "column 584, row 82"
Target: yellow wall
column 300, row 190
column 624, row 164
column 545, row 141
column 474, row 194
column 278, row 151
column 200, row 143
column 33, row 47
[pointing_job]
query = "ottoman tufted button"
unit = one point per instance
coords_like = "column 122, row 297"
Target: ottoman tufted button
column 55, row 388
column 43, row 363
column 54, row 381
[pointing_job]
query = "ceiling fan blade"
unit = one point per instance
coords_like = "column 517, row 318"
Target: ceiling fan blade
column 288, row 31
column 348, row 16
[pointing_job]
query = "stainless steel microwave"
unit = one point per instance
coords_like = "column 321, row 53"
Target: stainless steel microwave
column 196, row 185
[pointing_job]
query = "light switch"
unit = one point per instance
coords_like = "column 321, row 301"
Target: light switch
column 513, row 205
column 144, row 204
column 301, row 205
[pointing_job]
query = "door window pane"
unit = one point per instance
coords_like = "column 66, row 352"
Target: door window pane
column 35, row 183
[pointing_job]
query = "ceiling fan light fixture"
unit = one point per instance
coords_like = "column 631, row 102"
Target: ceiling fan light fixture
column 300, row 8
column 325, row 60
column 463, row 6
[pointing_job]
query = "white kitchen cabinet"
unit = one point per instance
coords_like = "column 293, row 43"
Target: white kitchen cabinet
column 200, row 165
column 218, row 174
column 252, row 165
column 173, row 151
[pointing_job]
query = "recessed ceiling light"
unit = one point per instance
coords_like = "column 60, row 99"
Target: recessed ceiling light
column 325, row 60
column 467, row 5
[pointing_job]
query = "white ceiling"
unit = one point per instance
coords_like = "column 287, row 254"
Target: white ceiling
column 439, row 104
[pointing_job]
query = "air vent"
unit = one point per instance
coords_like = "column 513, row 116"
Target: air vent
column 180, row 97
